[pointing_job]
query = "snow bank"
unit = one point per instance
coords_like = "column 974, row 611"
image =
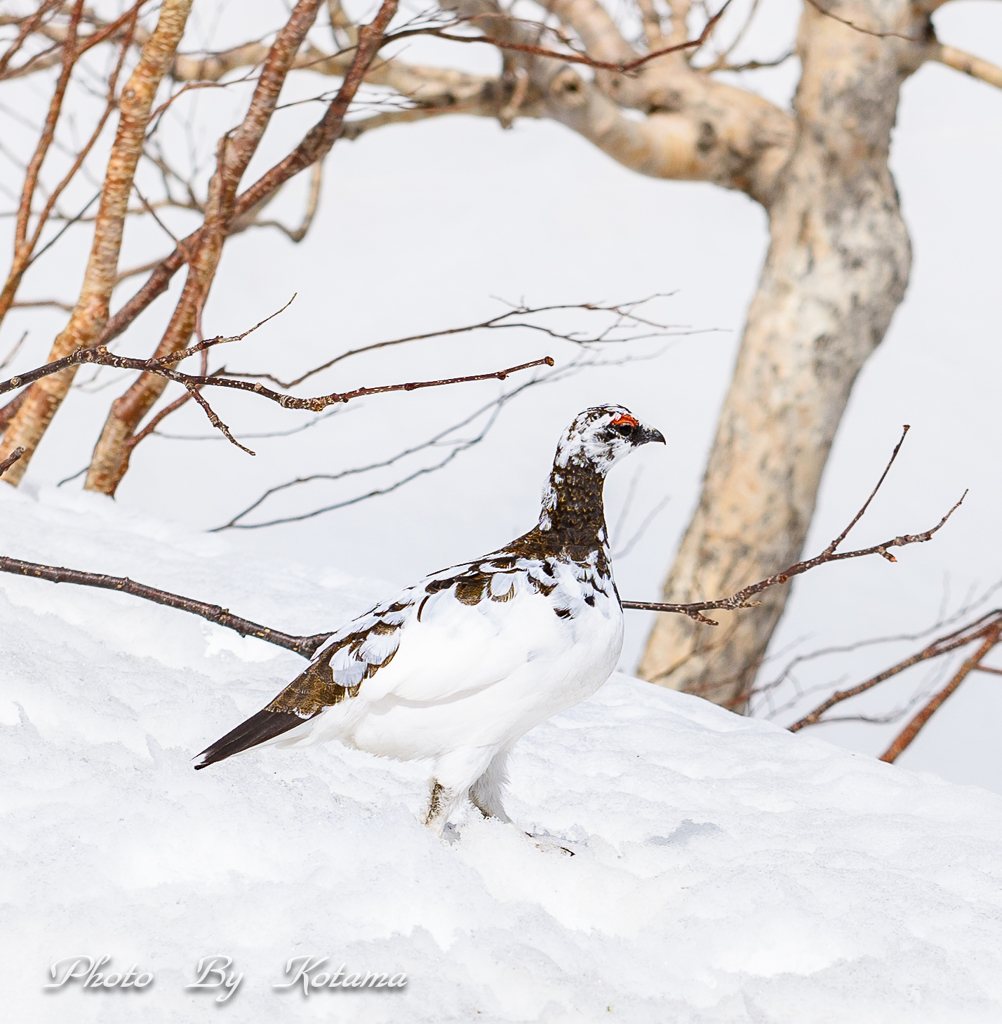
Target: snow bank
column 725, row 870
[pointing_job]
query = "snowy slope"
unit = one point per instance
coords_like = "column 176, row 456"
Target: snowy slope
column 726, row 870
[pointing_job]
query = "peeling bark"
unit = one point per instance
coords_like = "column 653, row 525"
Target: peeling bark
column 111, row 454
column 91, row 311
column 836, row 270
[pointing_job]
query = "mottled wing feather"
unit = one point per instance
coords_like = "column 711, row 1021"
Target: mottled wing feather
column 369, row 643
column 352, row 655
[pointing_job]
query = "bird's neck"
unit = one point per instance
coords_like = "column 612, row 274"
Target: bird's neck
column 572, row 520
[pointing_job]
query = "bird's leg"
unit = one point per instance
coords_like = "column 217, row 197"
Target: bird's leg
column 455, row 773
column 441, row 803
column 487, row 791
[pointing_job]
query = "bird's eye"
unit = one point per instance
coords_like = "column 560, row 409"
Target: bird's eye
column 623, row 429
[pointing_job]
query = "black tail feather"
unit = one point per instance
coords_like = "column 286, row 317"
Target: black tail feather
column 265, row 725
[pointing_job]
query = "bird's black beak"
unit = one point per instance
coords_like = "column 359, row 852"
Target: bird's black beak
column 650, row 434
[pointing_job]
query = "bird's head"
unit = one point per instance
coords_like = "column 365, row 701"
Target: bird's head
column 602, row 435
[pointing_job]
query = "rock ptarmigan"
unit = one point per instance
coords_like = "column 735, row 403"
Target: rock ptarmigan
column 459, row 666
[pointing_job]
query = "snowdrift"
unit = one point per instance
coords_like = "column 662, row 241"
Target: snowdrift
column 725, row 869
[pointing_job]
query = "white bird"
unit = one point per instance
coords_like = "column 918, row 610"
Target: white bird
column 457, row 667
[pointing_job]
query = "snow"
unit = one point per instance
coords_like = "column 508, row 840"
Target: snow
column 725, row 870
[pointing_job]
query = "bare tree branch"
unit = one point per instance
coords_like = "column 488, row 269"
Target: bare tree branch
column 967, row 63
column 624, row 313
column 28, row 25
column 194, row 382
column 862, row 28
column 741, row 598
column 912, row 729
column 91, row 311
column 235, row 150
column 304, row 645
column 942, row 645
column 622, row 67
column 10, row 460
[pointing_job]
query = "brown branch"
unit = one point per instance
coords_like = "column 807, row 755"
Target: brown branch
column 48, row 130
column 27, row 26
column 912, row 729
column 223, row 217
column 102, row 357
column 104, row 31
column 9, row 411
column 24, row 247
column 215, row 420
column 131, row 442
column 622, row 67
column 95, row 134
column 883, row 476
column 173, row 358
column 623, row 311
column 91, row 312
column 321, row 135
column 319, row 139
column 303, row 645
column 741, row 598
column 861, row 28
column 943, row 645
column 195, row 382
column 10, row 460
column 967, row 63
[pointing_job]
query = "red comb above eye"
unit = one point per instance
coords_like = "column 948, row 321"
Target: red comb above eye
column 625, row 418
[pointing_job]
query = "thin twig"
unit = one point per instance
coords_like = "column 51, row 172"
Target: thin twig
column 10, row 460
column 860, row 28
column 740, row 599
column 912, row 729
column 622, row 67
column 174, row 358
column 102, row 357
column 943, row 645
column 624, row 313
column 195, row 382
column 883, row 476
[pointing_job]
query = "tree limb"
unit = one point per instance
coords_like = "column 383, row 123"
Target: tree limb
column 741, row 598
column 194, row 382
column 235, row 150
column 10, row 460
column 942, row 645
column 967, row 63
column 911, row 730
column 91, row 311
column 304, row 645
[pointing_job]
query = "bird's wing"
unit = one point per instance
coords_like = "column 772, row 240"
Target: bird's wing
column 456, row 631
column 352, row 654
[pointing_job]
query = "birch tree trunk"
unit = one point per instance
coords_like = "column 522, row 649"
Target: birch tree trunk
column 91, row 311
column 836, row 270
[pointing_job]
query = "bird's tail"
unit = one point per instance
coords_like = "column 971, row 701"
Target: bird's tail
column 259, row 728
